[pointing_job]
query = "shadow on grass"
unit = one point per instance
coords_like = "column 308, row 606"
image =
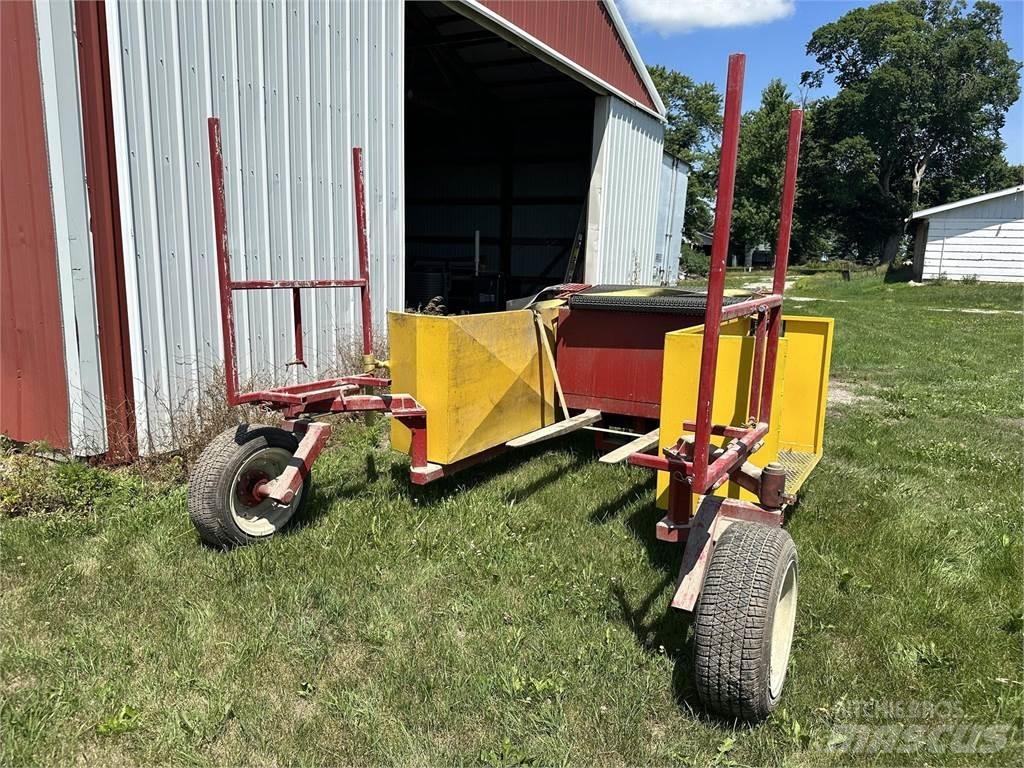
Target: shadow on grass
column 667, row 632
column 658, row 628
column 579, row 446
column 901, row 274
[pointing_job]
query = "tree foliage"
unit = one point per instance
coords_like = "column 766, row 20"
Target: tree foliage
column 759, row 168
column 924, row 90
column 694, row 116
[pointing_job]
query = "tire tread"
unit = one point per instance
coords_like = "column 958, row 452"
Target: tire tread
column 733, row 620
column 209, row 517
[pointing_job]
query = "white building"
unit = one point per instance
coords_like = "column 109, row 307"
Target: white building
column 981, row 237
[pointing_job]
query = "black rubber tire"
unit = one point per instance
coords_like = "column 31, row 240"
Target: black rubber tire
column 213, row 474
column 734, row 620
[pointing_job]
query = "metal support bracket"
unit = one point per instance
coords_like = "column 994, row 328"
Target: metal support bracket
column 713, row 516
column 283, row 488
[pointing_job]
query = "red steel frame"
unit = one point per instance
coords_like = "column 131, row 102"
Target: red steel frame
column 695, row 466
column 347, row 394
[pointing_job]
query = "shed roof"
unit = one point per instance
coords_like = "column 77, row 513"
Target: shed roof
column 924, row 213
column 588, row 38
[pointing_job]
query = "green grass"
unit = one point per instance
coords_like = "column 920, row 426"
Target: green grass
column 518, row 613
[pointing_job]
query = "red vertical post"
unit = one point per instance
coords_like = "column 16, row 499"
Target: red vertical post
column 796, row 121
column 220, row 224
column 716, row 278
column 364, row 257
column 297, row 314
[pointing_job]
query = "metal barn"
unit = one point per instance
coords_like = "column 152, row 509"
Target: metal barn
column 499, row 136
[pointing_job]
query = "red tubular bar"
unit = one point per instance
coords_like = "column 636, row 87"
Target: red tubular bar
column 796, row 119
column 750, row 306
column 736, row 453
column 227, row 308
column 364, row 257
column 716, row 278
column 254, row 285
column 227, row 286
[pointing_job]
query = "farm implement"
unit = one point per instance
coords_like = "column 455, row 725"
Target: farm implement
column 718, row 392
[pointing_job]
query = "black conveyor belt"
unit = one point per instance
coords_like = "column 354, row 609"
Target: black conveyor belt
column 631, row 298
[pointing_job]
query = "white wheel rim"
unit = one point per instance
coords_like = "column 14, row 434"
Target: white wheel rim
column 267, row 516
column 782, row 631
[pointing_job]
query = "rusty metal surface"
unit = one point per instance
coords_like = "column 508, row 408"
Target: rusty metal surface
column 283, row 488
column 711, row 518
column 34, row 402
column 583, row 32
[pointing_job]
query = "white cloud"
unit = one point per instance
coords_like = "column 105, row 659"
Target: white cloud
column 669, row 16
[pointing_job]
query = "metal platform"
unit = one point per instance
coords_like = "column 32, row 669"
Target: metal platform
column 798, row 466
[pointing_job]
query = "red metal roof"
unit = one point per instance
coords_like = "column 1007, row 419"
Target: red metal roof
column 583, row 32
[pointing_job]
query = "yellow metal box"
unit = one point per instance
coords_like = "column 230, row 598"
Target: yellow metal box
column 483, row 379
column 798, row 401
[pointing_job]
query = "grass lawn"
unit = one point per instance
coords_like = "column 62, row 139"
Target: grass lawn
column 518, row 613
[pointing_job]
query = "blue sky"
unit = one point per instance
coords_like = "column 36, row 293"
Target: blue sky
column 693, row 41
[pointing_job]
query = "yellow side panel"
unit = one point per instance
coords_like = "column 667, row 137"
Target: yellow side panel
column 680, row 380
column 484, row 379
column 806, row 373
column 798, row 403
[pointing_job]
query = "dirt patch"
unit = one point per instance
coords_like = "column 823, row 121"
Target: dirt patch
column 812, row 298
column 765, row 285
column 976, row 310
column 843, row 393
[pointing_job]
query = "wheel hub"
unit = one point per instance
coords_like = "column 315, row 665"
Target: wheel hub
column 255, row 515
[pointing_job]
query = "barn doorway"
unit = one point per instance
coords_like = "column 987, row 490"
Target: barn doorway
column 498, row 158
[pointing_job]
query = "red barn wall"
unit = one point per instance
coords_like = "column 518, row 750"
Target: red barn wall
column 33, row 384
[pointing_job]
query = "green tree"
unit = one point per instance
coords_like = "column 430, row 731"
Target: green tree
column 694, row 115
column 924, row 85
column 759, row 169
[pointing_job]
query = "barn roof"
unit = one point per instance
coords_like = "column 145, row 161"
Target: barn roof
column 589, row 39
column 924, row 213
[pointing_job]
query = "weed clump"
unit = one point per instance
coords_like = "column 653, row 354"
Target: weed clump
column 33, row 483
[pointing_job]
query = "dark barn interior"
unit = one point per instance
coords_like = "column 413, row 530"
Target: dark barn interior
column 497, row 165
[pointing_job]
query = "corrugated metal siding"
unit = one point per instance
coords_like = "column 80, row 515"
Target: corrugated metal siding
column 675, row 175
column 296, row 85
column 581, row 31
column 58, row 67
column 984, row 240
column 33, row 387
column 622, row 213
